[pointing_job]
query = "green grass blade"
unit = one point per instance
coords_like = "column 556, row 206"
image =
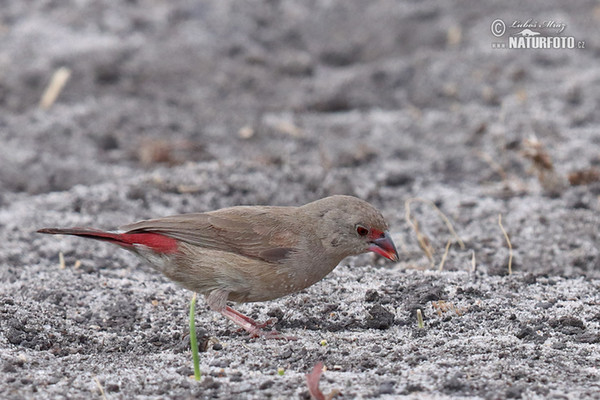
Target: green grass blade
column 193, row 341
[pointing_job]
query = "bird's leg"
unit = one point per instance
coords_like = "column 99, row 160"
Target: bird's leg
column 250, row 320
column 217, row 301
column 251, row 326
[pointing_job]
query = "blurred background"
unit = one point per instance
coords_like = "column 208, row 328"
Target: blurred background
column 407, row 90
column 147, row 108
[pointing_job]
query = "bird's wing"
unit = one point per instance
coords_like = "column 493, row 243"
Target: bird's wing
column 260, row 232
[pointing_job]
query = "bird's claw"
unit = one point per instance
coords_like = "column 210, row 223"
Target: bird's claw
column 272, row 335
column 252, row 327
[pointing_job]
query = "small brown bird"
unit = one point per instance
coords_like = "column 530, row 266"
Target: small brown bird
column 252, row 253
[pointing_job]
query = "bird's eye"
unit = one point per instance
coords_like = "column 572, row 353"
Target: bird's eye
column 362, row 231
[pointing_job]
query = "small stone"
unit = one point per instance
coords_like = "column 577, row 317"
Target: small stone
column 379, row 318
column 386, row 388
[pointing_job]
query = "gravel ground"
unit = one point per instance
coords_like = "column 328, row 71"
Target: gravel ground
column 175, row 107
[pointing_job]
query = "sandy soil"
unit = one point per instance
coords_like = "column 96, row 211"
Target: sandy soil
column 175, row 107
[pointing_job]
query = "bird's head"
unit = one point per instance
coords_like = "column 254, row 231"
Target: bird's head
column 348, row 226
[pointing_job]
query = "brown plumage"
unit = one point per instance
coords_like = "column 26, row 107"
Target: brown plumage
column 253, row 253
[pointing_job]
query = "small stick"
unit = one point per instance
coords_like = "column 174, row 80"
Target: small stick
column 494, row 165
column 422, row 239
column 473, row 263
column 100, row 387
column 445, row 255
column 61, row 260
column 510, row 250
column 56, row 85
column 440, row 213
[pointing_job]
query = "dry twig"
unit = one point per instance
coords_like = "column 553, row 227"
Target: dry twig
column 100, row 387
column 510, row 250
column 56, row 85
column 550, row 180
column 424, row 242
column 61, row 260
column 441, row 307
column 584, row 176
column 441, row 267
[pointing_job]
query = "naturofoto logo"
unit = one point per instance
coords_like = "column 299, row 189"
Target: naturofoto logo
column 532, row 34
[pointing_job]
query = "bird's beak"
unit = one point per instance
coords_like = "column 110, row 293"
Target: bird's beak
column 384, row 246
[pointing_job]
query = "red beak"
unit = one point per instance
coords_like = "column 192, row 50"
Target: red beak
column 384, row 246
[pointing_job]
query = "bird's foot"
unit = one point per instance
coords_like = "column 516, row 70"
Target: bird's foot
column 260, row 325
column 270, row 321
column 273, row 334
column 252, row 327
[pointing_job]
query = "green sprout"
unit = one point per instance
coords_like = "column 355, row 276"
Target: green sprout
column 420, row 319
column 193, row 341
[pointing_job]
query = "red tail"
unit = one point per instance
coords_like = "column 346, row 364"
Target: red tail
column 157, row 242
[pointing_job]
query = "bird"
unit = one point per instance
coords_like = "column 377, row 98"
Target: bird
column 249, row 254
